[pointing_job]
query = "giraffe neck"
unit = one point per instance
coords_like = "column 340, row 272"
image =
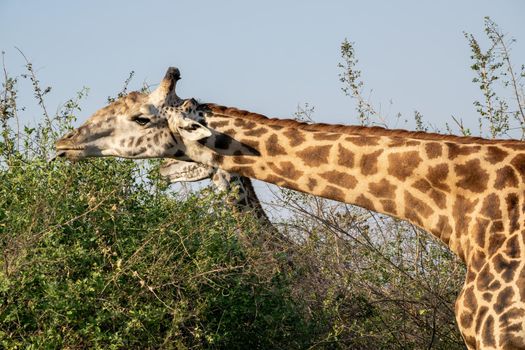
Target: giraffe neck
column 250, row 202
column 246, row 199
column 439, row 183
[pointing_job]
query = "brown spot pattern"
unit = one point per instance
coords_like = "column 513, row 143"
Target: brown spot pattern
column 439, row 198
column 490, row 208
column 506, row 268
column 437, row 175
column 496, row 240
column 286, row 169
column 368, row 162
column 512, row 247
column 473, row 177
column 480, row 317
column 416, row 208
column 505, row 177
column 480, row 231
column 478, row 260
column 469, row 299
column 495, row 154
column 470, row 341
column 521, row 283
column 315, row 155
column 422, row 185
column 247, row 124
column 345, row 157
column 513, row 211
column 443, row 229
column 519, row 164
column 455, row 150
column 511, row 339
column 504, row 300
column 460, row 211
column 326, row 136
column 488, row 332
column 487, row 296
column 243, row 170
column 273, row 148
column 402, row 142
column 332, row 192
column 512, row 313
column 497, row 226
column 402, row 165
column 295, row 137
column 252, row 144
column 256, row 132
column 486, row 280
column 340, row 179
column 364, row 202
column 311, row 183
column 218, row 124
column 280, row 181
column 436, row 195
column 433, row 150
column 466, row 319
column 389, row 206
column 382, row 189
column 243, row 160
column 362, row 140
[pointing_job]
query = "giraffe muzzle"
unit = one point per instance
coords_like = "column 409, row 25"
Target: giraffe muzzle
column 66, row 148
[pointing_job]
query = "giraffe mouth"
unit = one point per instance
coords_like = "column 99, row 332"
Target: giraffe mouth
column 63, row 150
column 70, row 154
column 65, row 145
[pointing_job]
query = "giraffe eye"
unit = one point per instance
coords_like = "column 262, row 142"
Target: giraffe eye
column 141, row 120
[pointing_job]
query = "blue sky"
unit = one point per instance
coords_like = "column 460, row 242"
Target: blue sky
column 267, row 56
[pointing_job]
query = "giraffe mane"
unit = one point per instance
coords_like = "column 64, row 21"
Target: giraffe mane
column 232, row 112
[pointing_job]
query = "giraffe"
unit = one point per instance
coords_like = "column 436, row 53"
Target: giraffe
column 245, row 200
column 467, row 192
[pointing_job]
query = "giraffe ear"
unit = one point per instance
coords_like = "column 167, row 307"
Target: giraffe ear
column 191, row 130
column 179, row 171
column 166, row 89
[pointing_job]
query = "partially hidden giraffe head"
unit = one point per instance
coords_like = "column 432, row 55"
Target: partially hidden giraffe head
column 180, row 171
column 136, row 126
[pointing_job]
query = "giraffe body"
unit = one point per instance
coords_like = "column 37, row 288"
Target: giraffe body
column 468, row 192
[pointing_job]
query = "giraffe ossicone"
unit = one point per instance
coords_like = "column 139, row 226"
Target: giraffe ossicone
column 468, row 192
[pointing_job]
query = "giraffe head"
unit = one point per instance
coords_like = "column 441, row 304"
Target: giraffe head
column 180, row 171
column 134, row 126
column 175, row 170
